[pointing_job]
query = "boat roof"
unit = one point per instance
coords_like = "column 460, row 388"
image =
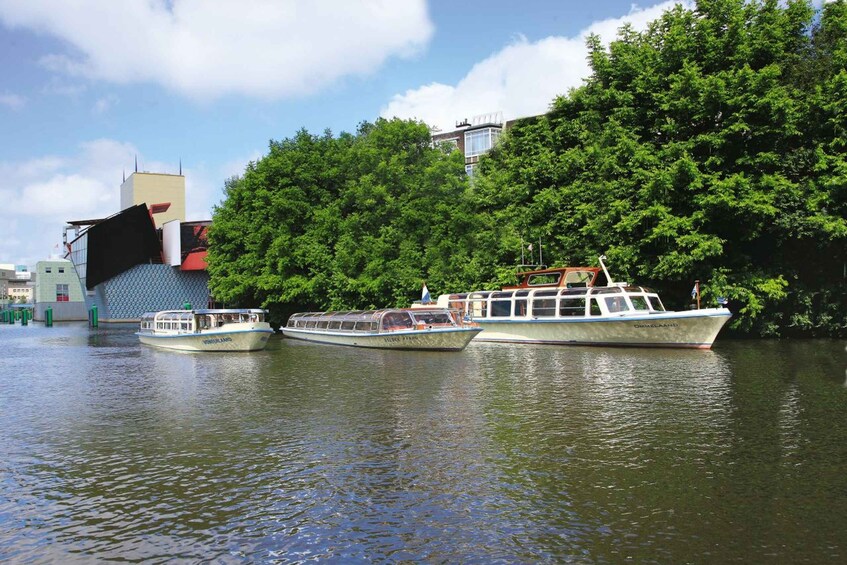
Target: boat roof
column 209, row 311
column 230, row 311
column 557, row 277
column 365, row 314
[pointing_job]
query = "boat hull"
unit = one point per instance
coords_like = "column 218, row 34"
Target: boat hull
column 238, row 340
column 687, row 329
column 449, row 339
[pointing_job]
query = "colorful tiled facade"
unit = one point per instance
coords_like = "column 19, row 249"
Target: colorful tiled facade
column 149, row 288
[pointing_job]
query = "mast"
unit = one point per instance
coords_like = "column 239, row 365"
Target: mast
column 609, row 281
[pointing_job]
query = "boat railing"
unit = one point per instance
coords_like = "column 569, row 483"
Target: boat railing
column 561, row 302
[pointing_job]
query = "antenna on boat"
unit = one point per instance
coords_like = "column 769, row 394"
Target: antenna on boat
column 605, row 270
column 540, row 256
column 523, row 262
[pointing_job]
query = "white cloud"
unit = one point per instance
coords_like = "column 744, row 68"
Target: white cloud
column 520, row 80
column 46, row 192
column 208, row 48
column 13, row 101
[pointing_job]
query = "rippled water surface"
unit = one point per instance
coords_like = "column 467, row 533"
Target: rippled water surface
column 110, row 450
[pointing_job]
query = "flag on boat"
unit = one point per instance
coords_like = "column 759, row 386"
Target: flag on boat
column 425, row 294
column 696, row 290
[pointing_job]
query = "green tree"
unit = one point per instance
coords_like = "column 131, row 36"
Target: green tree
column 698, row 149
column 357, row 221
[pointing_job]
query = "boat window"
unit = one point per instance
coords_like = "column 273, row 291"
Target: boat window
column 520, row 304
column 458, row 305
column 184, row 326
column 501, row 308
column 616, row 304
column 478, row 308
column 576, row 279
column 573, row 292
column 397, row 321
column 502, row 294
column 521, row 293
column 544, row 307
column 572, row 306
column 594, row 308
column 656, row 303
column 310, row 324
column 365, row 326
column 607, row 290
column 639, row 302
column 543, row 279
column 322, row 324
column 539, row 293
column 335, row 324
column 430, row 318
column 348, row 325
column 483, row 294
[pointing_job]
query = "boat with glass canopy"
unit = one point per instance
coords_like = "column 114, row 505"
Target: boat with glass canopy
column 569, row 306
column 231, row 329
column 390, row 328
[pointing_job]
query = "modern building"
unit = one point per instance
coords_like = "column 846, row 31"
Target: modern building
column 16, row 284
column 474, row 137
column 57, row 286
column 144, row 258
column 163, row 194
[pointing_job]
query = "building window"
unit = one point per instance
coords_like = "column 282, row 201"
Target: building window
column 469, row 169
column 48, row 269
column 62, row 293
column 61, row 269
column 447, row 145
column 480, row 141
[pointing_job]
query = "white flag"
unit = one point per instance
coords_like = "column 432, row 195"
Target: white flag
column 425, row 294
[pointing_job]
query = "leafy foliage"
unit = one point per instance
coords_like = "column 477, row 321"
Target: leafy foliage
column 356, row 221
column 711, row 146
column 703, row 148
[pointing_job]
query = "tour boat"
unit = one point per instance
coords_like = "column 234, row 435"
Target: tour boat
column 392, row 328
column 566, row 306
column 206, row 330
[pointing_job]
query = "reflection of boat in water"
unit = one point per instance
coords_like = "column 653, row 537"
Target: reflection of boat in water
column 395, row 328
column 563, row 306
column 206, row 330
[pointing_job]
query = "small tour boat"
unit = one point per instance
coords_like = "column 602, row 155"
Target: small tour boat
column 563, row 306
column 392, row 328
column 232, row 329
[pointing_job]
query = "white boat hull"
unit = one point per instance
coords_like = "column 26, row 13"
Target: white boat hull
column 688, row 329
column 230, row 340
column 447, row 339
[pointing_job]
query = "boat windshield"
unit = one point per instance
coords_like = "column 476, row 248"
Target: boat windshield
column 434, row 318
column 397, row 321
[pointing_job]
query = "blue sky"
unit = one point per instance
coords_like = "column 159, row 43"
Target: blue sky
column 88, row 86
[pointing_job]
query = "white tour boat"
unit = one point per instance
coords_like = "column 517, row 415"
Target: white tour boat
column 563, row 306
column 206, row 330
column 392, row 328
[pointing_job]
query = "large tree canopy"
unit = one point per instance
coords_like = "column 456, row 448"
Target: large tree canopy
column 710, row 146
column 357, row 221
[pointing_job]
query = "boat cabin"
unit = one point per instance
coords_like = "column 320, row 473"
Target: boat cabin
column 191, row 321
column 372, row 321
column 554, row 303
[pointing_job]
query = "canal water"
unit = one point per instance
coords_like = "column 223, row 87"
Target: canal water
column 113, row 451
